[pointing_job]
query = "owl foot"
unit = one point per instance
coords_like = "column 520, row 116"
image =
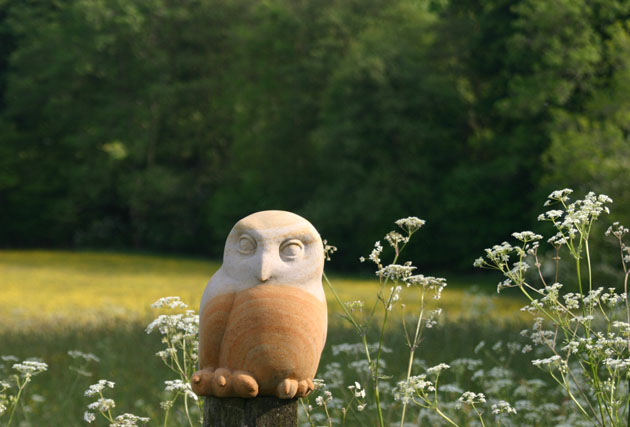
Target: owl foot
column 201, row 382
column 224, row 383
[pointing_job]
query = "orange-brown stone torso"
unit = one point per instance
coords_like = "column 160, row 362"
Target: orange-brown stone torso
column 271, row 331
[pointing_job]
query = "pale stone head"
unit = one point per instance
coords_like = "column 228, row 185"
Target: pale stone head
column 270, row 247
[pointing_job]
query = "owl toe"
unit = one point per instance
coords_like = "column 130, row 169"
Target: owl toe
column 303, row 388
column 244, row 384
column 201, row 382
column 220, row 382
column 287, row 389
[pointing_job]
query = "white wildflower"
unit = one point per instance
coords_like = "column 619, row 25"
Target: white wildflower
column 88, row 357
column 394, row 238
column 558, row 239
column 396, row 271
column 617, row 230
column 375, row 255
column 181, row 387
column 97, row 388
column 503, row 407
column 328, row 250
column 29, row 368
column 425, row 281
column 356, row 349
column 128, row 420
column 551, row 215
column 560, row 195
column 552, row 362
column 318, row 383
column 470, row 398
column 322, row 400
column 185, row 323
column 410, row 224
column 357, row 390
column 507, row 283
column 526, row 236
column 415, row 385
column 354, row 305
column 466, row 363
column 102, row 405
column 393, row 296
column 479, row 346
column 170, row 302
column 435, row 370
column 88, row 417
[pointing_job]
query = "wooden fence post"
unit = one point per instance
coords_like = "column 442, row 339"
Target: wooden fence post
column 257, row 412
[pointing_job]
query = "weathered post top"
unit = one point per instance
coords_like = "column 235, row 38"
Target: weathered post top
column 263, row 313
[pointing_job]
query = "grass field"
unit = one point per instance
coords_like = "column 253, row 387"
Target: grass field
column 55, row 301
column 93, row 287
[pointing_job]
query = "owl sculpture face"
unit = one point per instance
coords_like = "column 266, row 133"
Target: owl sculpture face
column 263, row 314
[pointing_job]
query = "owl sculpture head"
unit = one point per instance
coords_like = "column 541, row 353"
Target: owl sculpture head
column 263, row 314
column 274, row 248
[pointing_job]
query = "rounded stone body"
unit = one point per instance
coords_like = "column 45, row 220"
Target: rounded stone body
column 263, row 314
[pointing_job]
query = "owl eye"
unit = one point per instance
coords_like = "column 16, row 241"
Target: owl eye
column 291, row 249
column 246, row 245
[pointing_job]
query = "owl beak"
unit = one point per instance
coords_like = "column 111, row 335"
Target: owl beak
column 264, row 273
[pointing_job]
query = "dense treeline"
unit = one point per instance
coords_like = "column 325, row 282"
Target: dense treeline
column 156, row 125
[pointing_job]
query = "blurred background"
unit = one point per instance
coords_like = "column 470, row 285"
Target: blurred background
column 135, row 133
column 154, row 126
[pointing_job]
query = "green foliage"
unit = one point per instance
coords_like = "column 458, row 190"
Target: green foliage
column 156, row 126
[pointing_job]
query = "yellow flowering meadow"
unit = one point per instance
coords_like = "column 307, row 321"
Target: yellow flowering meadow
column 56, row 287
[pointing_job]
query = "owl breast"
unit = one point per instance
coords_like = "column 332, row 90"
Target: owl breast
column 274, row 332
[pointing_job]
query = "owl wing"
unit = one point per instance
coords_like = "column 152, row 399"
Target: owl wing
column 212, row 323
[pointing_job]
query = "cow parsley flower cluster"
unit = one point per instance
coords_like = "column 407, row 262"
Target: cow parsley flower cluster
column 180, row 334
column 13, row 388
column 584, row 335
column 104, row 405
column 397, row 280
column 28, row 368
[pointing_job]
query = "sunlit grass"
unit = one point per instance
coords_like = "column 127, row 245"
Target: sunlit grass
column 55, row 301
column 90, row 287
column 94, row 287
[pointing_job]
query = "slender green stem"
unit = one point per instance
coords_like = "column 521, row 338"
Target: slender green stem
column 366, row 349
column 185, row 373
column 17, row 398
column 186, row 410
column 443, row 415
column 565, row 384
column 327, row 415
column 625, row 290
column 343, row 306
column 404, row 408
column 411, row 354
column 166, row 416
column 307, row 412
column 479, row 415
column 590, row 277
column 346, row 410
column 376, row 367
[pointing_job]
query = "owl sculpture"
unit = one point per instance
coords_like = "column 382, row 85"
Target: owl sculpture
column 263, row 315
